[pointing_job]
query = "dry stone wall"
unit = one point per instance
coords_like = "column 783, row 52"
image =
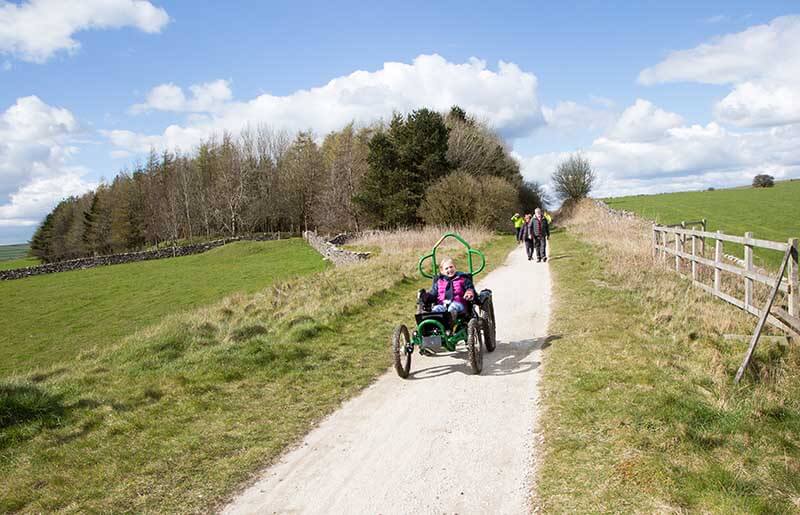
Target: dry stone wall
column 331, row 250
column 128, row 257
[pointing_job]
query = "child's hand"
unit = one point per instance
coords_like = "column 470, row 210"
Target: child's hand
column 469, row 294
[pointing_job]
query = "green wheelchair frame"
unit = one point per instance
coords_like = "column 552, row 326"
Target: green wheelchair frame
column 476, row 329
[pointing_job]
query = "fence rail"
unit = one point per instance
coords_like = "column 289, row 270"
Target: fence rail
column 671, row 242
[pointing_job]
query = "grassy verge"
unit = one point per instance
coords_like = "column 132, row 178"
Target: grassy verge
column 49, row 319
column 173, row 418
column 641, row 413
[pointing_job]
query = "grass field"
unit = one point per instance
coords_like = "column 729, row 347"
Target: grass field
column 8, row 252
column 769, row 213
column 175, row 417
column 641, row 413
column 49, row 319
column 18, row 263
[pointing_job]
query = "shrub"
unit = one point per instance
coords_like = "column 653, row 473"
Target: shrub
column 763, row 180
column 463, row 199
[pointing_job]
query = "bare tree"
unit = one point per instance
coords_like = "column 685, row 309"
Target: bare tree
column 574, row 178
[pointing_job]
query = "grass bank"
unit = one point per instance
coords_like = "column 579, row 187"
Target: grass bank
column 175, row 417
column 641, row 413
column 769, row 213
column 49, row 319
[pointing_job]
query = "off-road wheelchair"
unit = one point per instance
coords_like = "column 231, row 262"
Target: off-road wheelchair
column 438, row 330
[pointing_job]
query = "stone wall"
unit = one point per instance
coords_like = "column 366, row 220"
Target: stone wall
column 331, row 251
column 129, row 257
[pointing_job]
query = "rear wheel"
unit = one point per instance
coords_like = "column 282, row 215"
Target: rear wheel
column 400, row 345
column 489, row 329
column 475, row 345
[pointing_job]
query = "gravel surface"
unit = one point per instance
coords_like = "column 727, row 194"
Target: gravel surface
column 442, row 441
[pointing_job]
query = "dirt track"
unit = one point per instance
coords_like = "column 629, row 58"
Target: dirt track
column 443, row 440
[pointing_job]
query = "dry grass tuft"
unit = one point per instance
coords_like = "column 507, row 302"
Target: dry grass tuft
column 404, row 240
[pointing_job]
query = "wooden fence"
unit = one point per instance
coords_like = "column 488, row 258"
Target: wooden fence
column 671, row 242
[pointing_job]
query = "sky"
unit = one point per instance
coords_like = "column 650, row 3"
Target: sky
column 659, row 96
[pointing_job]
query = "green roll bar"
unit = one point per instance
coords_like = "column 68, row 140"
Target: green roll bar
column 432, row 257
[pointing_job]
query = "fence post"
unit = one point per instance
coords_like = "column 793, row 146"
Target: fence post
column 717, row 261
column 683, row 236
column 794, row 295
column 664, row 237
column 655, row 242
column 703, row 243
column 748, row 265
column 678, row 249
column 694, row 254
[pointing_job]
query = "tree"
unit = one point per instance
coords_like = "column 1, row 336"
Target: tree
column 573, row 178
column 42, row 239
column 532, row 195
column 403, row 162
column 763, row 180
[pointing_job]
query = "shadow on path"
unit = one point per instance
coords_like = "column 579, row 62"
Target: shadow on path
column 507, row 359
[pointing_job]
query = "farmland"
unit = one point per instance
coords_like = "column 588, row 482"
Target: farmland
column 9, row 252
column 769, row 213
column 50, row 318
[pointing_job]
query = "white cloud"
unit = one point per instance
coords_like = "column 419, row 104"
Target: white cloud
column 169, row 97
column 36, row 30
column 35, row 153
column 677, row 157
column 506, row 98
column 571, row 116
column 762, row 63
column 643, row 122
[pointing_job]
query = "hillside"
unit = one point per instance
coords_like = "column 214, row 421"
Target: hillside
column 769, row 213
column 97, row 307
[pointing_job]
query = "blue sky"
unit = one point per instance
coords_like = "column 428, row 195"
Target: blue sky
column 659, row 96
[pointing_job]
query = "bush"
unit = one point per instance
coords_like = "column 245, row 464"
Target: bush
column 574, row 178
column 763, row 180
column 462, row 199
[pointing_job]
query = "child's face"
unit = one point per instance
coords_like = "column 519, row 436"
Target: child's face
column 449, row 269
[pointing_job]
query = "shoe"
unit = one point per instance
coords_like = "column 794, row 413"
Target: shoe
column 529, row 259
column 538, row 260
column 544, row 259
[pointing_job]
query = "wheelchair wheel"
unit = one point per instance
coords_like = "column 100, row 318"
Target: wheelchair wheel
column 489, row 329
column 402, row 358
column 475, row 345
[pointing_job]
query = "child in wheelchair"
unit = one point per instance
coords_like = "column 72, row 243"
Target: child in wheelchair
column 451, row 291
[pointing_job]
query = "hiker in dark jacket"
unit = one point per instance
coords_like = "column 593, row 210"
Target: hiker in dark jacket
column 527, row 236
column 541, row 233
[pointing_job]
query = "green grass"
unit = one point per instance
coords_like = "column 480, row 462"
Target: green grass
column 8, row 252
column 641, row 413
column 176, row 417
column 18, row 263
column 769, row 213
column 49, row 319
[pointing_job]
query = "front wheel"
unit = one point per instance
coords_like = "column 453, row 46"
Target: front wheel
column 475, row 345
column 400, row 345
column 489, row 329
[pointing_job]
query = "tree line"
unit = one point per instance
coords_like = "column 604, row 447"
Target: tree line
column 424, row 167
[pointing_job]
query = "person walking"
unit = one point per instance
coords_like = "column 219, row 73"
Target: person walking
column 518, row 223
column 540, row 230
column 527, row 236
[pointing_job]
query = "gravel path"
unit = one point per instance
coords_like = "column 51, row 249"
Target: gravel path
column 443, row 440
